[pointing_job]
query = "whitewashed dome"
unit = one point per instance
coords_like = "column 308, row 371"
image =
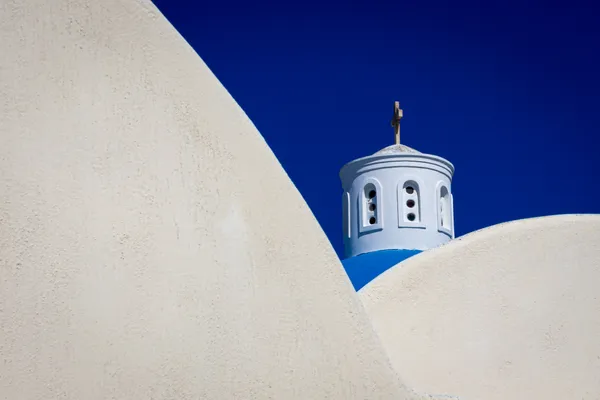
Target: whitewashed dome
column 396, row 199
column 396, row 149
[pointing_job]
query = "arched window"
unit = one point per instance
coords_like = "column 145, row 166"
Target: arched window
column 346, row 215
column 409, row 207
column 444, row 210
column 370, row 203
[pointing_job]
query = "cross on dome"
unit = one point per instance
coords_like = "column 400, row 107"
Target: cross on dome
column 396, row 121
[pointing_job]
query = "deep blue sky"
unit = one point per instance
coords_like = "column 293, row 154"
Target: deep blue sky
column 508, row 92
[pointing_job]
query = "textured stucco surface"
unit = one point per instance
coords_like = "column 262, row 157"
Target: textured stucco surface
column 508, row 312
column 151, row 246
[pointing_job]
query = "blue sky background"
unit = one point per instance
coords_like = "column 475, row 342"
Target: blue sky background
column 508, row 92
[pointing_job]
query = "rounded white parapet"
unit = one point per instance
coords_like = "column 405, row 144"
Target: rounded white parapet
column 397, row 198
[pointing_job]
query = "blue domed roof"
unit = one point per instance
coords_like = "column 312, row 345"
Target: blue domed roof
column 363, row 268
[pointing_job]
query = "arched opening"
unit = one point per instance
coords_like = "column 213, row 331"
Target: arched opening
column 370, row 202
column 346, row 214
column 445, row 217
column 410, row 207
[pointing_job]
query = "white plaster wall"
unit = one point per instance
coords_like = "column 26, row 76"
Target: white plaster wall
column 138, row 257
column 509, row 312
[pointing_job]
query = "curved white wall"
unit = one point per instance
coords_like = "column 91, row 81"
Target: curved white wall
column 387, row 225
column 137, row 256
column 509, row 312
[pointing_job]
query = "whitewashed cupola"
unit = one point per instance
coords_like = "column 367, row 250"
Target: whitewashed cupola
column 397, row 198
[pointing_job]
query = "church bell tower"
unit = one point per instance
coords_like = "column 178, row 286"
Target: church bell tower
column 396, row 199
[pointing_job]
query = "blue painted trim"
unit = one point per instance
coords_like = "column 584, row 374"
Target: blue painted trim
column 363, row 268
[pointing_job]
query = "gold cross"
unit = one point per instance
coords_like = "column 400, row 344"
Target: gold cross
column 396, row 120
